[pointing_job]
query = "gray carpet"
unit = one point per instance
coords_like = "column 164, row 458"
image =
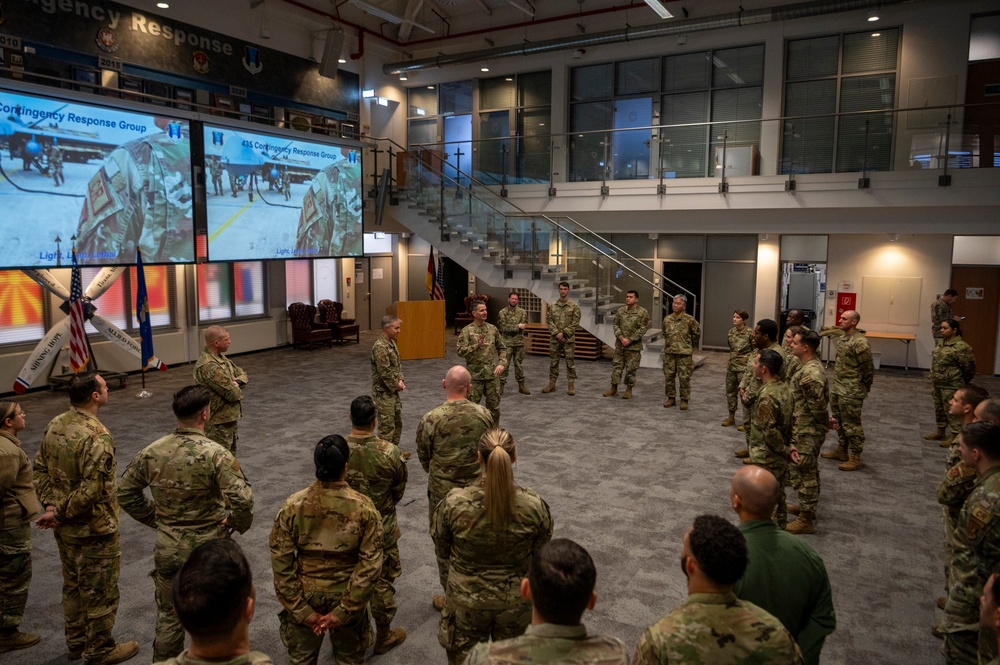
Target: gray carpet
column 624, row 479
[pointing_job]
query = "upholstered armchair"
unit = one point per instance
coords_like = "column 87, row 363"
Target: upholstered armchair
column 330, row 313
column 305, row 330
column 463, row 319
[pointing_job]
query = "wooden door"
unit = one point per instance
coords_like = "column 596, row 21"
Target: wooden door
column 979, row 328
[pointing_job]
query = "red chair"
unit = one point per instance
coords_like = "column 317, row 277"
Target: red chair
column 330, row 315
column 305, row 330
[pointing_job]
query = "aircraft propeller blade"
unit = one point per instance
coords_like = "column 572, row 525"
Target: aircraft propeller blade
column 42, row 355
column 47, row 281
column 102, row 281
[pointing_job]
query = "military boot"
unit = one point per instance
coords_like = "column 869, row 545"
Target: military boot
column 523, row 389
column 946, row 441
column 612, row 391
column 386, row 638
column 730, row 421
column 742, row 453
column 684, row 405
column 405, row 455
column 123, row 651
column 628, row 393
column 13, row 639
column 670, row 401
column 550, row 387
column 838, row 453
column 941, row 602
column 570, row 390
column 937, row 435
column 853, row 463
column 792, row 508
column 741, row 428
column 438, row 602
column 803, row 524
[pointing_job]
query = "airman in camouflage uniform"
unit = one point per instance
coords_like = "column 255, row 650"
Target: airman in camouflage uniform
column 377, row 470
column 511, row 322
column 740, row 340
column 977, row 549
column 215, row 168
column 631, row 323
column 18, row 506
column 286, row 184
column 941, row 312
column 792, row 364
column 811, row 420
column 716, row 627
column 771, row 425
column 326, row 555
column 853, row 373
column 560, row 585
column 141, row 198
column 387, row 381
column 199, row 493
column 764, row 333
column 76, row 482
column 563, row 317
column 447, row 440
column 226, row 382
column 330, row 221
column 485, row 354
column 953, row 366
column 486, row 565
column 681, row 334
column 55, row 159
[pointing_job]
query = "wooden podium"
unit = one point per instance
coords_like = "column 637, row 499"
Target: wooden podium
column 422, row 333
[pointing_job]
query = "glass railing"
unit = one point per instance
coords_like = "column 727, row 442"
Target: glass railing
column 935, row 139
column 456, row 203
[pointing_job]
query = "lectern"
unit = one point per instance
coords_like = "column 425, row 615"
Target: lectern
column 422, row 334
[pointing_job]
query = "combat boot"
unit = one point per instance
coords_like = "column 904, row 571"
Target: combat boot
column 550, row 387
column 838, row 453
column 570, row 390
column 405, row 455
column 853, row 463
column 438, row 602
column 946, row 441
column 628, row 393
column 670, row 401
column 803, row 524
column 730, row 421
column 684, row 405
column 523, row 389
column 742, row 452
column 13, row 639
column 937, row 435
column 941, row 602
column 386, row 638
column 123, row 651
column 612, row 391
column 741, row 428
column 792, row 508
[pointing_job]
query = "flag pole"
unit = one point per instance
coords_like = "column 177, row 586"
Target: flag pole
column 142, row 314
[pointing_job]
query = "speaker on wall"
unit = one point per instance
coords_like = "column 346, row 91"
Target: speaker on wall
column 331, row 53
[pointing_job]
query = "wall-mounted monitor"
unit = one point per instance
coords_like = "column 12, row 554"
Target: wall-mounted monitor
column 378, row 243
column 279, row 197
column 116, row 179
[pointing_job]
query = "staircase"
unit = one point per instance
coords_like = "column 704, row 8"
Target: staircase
column 505, row 246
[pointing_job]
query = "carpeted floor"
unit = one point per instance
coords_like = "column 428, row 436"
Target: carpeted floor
column 623, row 478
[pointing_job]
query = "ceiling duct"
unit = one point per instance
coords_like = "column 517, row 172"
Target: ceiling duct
column 630, row 34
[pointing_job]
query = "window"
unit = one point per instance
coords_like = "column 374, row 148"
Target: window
column 117, row 303
column 326, row 279
column 840, row 74
column 521, row 102
column 298, row 282
column 230, row 290
column 21, row 312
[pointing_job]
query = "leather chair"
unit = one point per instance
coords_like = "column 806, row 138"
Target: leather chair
column 465, row 318
column 305, row 330
column 330, row 313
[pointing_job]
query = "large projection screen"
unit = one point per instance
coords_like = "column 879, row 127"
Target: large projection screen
column 116, row 179
column 280, row 197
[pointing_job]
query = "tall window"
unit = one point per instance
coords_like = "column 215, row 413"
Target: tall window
column 230, row 290
column 521, row 102
column 839, row 74
column 21, row 312
column 717, row 86
column 298, row 282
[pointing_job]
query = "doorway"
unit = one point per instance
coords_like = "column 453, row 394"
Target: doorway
column 979, row 302
column 687, row 275
column 374, row 295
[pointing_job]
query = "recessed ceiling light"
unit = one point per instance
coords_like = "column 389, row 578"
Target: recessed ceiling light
column 509, row 78
column 430, row 87
column 484, row 69
column 872, row 15
column 342, row 61
column 876, row 34
column 163, row 5
column 402, row 77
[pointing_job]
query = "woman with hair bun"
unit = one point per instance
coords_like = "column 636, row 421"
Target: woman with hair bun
column 953, row 366
column 488, row 533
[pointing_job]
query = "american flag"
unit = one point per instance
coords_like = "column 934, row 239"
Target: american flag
column 78, row 352
column 438, row 293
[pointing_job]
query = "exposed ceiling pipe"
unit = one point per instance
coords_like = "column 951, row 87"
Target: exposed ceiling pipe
column 629, row 34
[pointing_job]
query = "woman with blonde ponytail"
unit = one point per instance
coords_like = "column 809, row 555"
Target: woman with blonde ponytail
column 488, row 532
